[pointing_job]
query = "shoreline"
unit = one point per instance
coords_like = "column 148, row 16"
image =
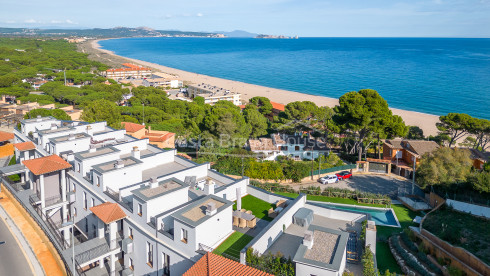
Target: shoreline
column 427, row 122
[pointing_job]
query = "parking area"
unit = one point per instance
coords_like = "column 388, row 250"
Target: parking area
column 372, row 183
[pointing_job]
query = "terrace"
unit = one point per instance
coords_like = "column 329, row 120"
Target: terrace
column 164, row 169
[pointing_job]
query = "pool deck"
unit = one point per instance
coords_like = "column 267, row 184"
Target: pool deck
column 358, row 209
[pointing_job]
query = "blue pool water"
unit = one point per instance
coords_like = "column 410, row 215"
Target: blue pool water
column 380, row 216
column 430, row 75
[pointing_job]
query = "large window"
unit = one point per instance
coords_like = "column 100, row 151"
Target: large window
column 93, row 202
column 149, row 254
column 131, row 264
column 78, row 167
column 84, row 195
column 140, row 210
column 130, row 232
column 184, row 235
column 165, row 264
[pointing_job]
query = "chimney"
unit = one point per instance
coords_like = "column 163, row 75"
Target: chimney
column 136, row 153
column 211, row 209
column 153, row 182
column 209, row 187
column 53, row 126
column 92, row 148
column 119, row 164
column 89, row 130
column 71, row 136
column 308, row 239
column 38, row 118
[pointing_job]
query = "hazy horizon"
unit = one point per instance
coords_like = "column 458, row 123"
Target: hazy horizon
column 309, row 18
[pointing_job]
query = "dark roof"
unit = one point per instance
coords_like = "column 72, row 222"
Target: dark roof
column 476, row 154
column 416, row 147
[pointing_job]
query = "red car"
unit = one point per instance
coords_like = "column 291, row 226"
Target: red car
column 344, row 175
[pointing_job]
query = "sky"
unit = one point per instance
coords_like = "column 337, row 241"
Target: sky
column 317, row 18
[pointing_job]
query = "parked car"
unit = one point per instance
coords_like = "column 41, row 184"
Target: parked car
column 344, row 175
column 328, row 179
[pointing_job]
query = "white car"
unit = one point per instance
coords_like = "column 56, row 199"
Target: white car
column 328, row 179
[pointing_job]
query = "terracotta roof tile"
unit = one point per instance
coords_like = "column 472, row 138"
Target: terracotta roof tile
column 278, row 106
column 25, row 146
column 5, row 136
column 46, row 164
column 156, row 137
column 132, row 127
column 215, row 265
column 108, row 212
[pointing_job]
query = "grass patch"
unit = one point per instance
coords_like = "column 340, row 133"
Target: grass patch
column 12, row 161
column 461, row 229
column 331, row 199
column 385, row 259
column 258, row 207
column 233, row 244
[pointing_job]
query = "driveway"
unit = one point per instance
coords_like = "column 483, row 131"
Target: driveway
column 378, row 184
column 12, row 259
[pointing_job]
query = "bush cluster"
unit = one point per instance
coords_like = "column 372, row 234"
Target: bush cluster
column 275, row 264
column 409, row 260
column 420, row 255
column 327, row 191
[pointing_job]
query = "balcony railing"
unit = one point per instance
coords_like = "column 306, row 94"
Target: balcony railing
column 112, row 194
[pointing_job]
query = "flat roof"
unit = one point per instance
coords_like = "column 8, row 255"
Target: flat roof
column 327, row 250
column 98, row 152
column 195, row 213
column 164, row 187
column 58, row 129
column 33, row 120
column 65, row 138
column 163, row 169
column 111, row 165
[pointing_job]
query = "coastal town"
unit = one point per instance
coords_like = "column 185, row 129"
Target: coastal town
column 116, row 166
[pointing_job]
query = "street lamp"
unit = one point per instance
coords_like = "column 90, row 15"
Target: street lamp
column 72, row 223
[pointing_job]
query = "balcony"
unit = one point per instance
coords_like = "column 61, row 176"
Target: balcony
column 91, row 250
column 35, row 199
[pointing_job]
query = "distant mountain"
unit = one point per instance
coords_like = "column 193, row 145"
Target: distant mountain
column 100, row 33
column 238, row 33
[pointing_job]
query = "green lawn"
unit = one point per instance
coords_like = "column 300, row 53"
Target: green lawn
column 385, row 259
column 258, row 207
column 330, row 199
column 233, row 244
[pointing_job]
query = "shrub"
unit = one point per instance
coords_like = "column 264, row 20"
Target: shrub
column 409, row 260
column 367, row 260
column 454, row 271
column 275, row 264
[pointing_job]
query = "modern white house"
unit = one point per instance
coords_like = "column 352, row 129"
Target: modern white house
column 294, row 146
column 213, row 94
column 138, row 209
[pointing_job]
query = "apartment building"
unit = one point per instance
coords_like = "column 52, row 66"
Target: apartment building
column 213, row 94
column 128, row 70
column 163, row 80
column 136, row 209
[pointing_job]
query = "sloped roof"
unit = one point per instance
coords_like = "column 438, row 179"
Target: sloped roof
column 482, row 156
column 215, row 265
column 46, row 164
column 422, row 147
column 25, row 146
column 132, row 127
column 278, row 106
column 5, row 136
column 108, row 212
column 159, row 137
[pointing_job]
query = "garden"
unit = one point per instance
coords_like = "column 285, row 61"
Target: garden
column 258, row 207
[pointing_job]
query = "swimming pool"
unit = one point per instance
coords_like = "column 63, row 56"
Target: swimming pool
column 381, row 216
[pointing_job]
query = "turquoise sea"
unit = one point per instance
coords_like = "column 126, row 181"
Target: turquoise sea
column 430, row 75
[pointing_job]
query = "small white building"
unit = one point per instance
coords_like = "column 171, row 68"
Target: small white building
column 213, row 94
column 294, row 146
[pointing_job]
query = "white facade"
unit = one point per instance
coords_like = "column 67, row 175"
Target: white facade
column 149, row 184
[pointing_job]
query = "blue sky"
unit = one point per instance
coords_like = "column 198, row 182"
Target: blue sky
column 357, row 18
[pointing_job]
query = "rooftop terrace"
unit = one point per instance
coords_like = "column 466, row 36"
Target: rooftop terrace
column 147, row 193
column 116, row 164
column 98, row 152
column 195, row 213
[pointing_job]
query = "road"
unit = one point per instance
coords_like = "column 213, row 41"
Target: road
column 12, row 259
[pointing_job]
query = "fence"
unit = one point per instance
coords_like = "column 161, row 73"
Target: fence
column 334, row 169
column 50, row 233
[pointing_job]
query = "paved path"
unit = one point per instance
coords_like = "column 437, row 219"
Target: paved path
column 13, row 261
column 37, row 240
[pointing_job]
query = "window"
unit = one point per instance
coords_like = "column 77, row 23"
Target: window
column 296, row 148
column 131, row 264
column 130, row 232
column 84, row 200
column 165, row 264
column 73, row 187
column 78, row 167
column 140, row 210
column 74, row 211
column 93, row 202
column 149, row 254
column 86, row 225
column 98, row 181
column 184, row 235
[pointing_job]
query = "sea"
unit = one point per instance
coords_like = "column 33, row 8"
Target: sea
column 428, row 75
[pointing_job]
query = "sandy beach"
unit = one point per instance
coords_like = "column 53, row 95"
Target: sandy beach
column 426, row 122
